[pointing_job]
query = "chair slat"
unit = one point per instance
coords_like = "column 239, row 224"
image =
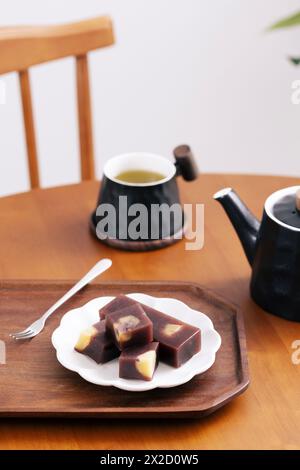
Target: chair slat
column 85, row 119
column 29, row 128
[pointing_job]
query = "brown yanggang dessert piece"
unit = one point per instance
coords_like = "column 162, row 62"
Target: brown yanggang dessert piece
column 129, row 327
column 95, row 343
column 139, row 362
column 121, row 301
column 178, row 341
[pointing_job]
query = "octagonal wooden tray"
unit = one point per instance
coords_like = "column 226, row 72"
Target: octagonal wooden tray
column 34, row 384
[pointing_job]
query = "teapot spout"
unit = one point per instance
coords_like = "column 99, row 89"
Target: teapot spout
column 243, row 221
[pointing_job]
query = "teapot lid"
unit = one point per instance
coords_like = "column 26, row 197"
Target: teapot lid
column 283, row 207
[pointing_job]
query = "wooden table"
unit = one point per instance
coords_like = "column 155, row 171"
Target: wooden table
column 44, row 235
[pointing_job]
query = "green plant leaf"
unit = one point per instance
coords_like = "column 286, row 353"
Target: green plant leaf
column 288, row 22
column 295, row 60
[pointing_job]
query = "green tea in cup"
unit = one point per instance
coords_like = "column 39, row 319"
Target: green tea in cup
column 140, row 176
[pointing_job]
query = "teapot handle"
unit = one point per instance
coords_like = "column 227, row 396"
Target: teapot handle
column 185, row 163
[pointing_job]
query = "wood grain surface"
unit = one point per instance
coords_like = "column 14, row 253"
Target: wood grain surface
column 44, row 235
column 46, row 389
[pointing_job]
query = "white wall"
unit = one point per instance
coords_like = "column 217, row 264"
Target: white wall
column 200, row 72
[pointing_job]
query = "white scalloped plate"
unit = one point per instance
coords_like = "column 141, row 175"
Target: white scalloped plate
column 73, row 322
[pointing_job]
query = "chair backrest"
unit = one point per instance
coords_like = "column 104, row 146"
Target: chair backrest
column 24, row 46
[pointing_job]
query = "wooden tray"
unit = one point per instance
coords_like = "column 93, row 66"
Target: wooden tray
column 34, row 384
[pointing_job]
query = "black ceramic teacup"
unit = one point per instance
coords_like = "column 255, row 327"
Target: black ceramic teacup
column 146, row 215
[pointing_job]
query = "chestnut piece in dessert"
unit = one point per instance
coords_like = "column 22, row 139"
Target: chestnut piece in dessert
column 121, row 301
column 95, row 343
column 178, row 341
column 139, row 362
column 129, row 327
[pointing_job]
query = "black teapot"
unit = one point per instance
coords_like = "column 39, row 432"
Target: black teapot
column 272, row 248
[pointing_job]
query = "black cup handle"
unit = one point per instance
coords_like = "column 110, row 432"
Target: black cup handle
column 185, row 163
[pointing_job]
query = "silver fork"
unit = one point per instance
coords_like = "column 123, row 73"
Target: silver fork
column 39, row 324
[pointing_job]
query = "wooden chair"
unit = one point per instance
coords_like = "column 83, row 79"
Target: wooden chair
column 24, row 46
